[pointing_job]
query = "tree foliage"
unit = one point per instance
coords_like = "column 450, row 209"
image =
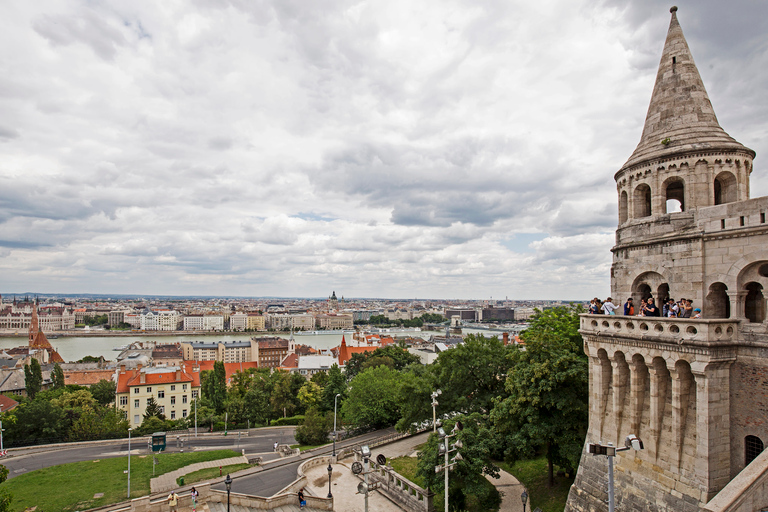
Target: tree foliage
column 471, row 375
column 153, row 409
column 373, row 400
column 33, row 378
column 214, row 386
column 104, row 391
column 57, row 376
column 315, row 428
column 548, row 386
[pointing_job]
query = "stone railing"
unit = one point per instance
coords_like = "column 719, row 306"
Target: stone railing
column 400, row 490
column 745, row 493
column 208, row 495
column 663, row 330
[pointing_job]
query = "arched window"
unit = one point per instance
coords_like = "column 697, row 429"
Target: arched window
column 674, row 196
column 753, row 447
column 725, row 188
column 753, row 304
column 623, row 207
column 642, row 201
column 717, row 304
column 644, row 292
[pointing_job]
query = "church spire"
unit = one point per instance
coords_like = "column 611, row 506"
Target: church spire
column 680, row 116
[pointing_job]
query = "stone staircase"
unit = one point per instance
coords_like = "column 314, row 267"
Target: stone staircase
column 222, row 507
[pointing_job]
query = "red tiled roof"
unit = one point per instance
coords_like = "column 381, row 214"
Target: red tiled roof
column 6, row 404
column 87, row 377
column 130, row 378
column 290, row 361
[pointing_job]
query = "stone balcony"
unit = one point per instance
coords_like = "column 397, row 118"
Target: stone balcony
column 675, row 331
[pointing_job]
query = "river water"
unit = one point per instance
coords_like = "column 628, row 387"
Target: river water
column 75, row 348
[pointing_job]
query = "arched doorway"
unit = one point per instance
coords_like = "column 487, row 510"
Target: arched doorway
column 725, row 188
column 623, row 207
column 642, row 201
column 753, row 447
column 754, row 303
column 674, row 196
column 662, row 294
column 717, row 303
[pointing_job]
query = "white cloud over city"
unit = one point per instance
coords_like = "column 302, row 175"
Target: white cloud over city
column 380, row 149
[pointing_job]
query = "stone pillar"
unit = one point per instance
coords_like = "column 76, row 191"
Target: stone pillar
column 737, row 299
column 713, row 458
column 659, row 385
column 681, row 393
column 620, row 369
column 638, row 377
column 600, row 384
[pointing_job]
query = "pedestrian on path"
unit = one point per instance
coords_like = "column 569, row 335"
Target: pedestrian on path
column 302, row 501
column 194, row 495
column 275, row 446
column 173, row 501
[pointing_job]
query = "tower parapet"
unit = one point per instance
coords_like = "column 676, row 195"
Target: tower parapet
column 691, row 389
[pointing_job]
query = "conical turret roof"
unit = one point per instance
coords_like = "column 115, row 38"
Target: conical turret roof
column 680, row 117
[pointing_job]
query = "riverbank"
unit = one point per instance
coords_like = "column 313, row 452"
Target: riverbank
column 80, row 333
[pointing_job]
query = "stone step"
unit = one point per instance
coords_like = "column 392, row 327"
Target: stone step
column 222, row 507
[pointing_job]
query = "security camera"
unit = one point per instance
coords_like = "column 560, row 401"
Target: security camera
column 633, row 442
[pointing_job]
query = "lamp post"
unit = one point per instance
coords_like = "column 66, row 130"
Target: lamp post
column 1, row 435
column 129, row 461
column 524, row 498
column 330, row 470
column 365, row 451
column 334, row 427
column 434, row 395
column 228, row 483
column 631, row 441
column 445, row 449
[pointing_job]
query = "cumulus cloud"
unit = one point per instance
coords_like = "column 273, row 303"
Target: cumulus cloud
column 455, row 150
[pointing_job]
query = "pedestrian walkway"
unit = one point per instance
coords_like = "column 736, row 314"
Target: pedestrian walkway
column 222, row 507
column 167, row 481
column 510, row 489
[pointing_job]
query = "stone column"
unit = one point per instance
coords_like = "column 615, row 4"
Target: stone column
column 620, row 369
column 737, row 299
column 600, row 382
column 637, row 392
column 681, row 393
column 713, row 426
column 659, row 385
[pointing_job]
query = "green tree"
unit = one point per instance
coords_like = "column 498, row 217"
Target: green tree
column 153, row 409
column 215, row 386
column 467, row 476
column 471, row 375
column 373, row 399
column 90, row 359
column 309, row 395
column 355, row 364
column 315, row 428
column 548, row 386
column 33, row 378
column 57, row 376
column 5, row 497
column 104, row 392
column 283, row 401
column 415, row 398
column 35, row 422
column 336, row 384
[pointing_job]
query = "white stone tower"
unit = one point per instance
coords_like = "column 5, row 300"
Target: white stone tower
column 692, row 390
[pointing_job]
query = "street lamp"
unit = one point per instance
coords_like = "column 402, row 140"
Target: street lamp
column 631, row 441
column 228, row 483
column 334, row 428
column 446, row 449
column 330, row 470
column 365, row 451
column 129, row 461
column 434, row 395
column 524, row 498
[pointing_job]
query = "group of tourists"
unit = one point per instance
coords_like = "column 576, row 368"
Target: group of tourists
column 648, row 307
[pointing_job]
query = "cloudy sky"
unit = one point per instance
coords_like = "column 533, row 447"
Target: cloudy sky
column 431, row 149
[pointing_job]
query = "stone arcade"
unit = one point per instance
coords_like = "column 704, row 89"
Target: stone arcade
column 693, row 390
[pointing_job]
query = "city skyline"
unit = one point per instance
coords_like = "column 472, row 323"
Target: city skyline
column 383, row 149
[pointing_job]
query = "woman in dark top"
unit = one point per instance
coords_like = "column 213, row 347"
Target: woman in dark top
column 651, row 309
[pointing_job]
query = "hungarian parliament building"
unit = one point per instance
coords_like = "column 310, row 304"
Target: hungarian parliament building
column 17, row 315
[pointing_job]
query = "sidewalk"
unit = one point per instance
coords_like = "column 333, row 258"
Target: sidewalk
column 510, row 489
column 167, row 481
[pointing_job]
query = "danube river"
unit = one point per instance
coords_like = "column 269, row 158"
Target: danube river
column 75, row 348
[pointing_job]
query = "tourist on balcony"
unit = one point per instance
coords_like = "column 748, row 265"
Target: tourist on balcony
column 629, row 308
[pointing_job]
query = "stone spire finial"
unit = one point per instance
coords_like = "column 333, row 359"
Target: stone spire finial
column 680, row 116
column 673, row 9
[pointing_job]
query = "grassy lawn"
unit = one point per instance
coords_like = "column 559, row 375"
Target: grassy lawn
column 533, row 474
column 209, row 473
column 70, row 487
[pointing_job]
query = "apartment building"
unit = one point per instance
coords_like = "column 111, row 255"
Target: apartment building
column 173, row 388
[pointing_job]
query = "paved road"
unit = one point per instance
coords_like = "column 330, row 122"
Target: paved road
column 273, row 479
column 259, row 441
